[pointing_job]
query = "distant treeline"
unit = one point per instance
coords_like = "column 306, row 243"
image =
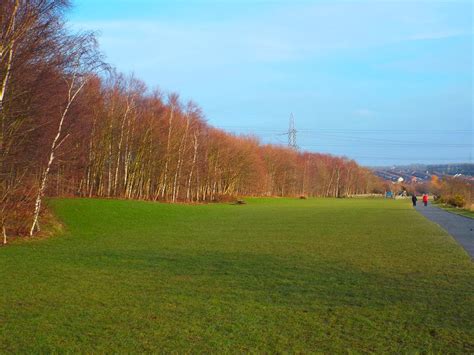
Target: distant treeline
column 70, row 126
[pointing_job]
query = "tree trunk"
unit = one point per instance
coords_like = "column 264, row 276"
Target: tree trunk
column 72, row 94
column 119, row 152
column 3, row 88
column 177, row 175
column 168, row 144
column 188, row 192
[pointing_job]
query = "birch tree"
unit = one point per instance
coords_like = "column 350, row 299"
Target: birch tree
column 28, row 33
column 82, row 59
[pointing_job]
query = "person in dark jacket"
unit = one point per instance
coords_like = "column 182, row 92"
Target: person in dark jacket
column 414, row 199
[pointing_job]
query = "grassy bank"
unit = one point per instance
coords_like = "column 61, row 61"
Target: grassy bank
column 273, row 275
column 461, row 211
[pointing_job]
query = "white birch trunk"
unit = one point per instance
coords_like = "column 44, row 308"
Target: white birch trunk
column 119, row 153
column 168, row 144
column 188, row 192
column 3, row 88
column 177, row 175
column 72, row 94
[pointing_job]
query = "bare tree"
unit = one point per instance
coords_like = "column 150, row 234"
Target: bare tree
column 28, row 33
column 82, row 60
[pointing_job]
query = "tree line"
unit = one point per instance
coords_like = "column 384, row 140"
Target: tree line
column 72, row 126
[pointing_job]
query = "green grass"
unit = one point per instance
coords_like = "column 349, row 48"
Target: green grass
column 461, row 211
column 274, row 275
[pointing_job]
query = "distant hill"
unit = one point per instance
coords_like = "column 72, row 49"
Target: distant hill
column 420, row 172
column 452, row 169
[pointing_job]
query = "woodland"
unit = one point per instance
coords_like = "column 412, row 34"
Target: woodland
column 72, row 126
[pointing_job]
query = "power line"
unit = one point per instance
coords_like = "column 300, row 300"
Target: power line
column 361, row 131
column 343, row 137
column 370, row 139
column 410, row 158
column 390, row 144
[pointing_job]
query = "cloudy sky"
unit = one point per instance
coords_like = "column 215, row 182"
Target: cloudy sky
column 383, row 82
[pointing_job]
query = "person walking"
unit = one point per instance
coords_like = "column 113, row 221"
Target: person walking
column 414, row 199
column 425, row 199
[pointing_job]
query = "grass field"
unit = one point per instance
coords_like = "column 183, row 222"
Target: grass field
column 328, row 275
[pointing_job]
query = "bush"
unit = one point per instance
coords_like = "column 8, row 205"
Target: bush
column 223, row 198
column 456, row 192
column 456, row 201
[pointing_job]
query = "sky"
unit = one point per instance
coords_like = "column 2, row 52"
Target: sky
column 381, row 82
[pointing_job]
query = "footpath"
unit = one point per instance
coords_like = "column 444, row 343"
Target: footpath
column 460, row 227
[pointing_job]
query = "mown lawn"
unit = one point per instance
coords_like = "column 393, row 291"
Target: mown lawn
column 273, row 275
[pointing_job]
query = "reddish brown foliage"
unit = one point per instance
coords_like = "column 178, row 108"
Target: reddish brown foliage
column 117, row 140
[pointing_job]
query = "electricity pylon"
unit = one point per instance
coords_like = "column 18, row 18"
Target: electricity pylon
column 292, row 134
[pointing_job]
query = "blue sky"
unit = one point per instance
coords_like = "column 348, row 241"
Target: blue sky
column 383, row 82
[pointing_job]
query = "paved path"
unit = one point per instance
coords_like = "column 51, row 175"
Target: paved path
column 460, row 227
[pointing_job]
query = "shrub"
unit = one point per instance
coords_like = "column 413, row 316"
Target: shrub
column 223, row 198
column 457, row 201
column 456, row 192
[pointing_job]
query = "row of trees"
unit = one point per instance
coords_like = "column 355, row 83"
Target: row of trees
column 146, row 146
column 70, row 126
